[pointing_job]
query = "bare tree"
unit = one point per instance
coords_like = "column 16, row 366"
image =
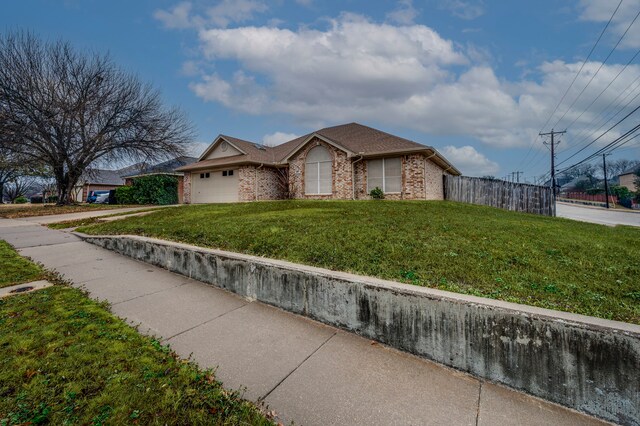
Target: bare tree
column 9, row 169
column 615, row 168
column 18, row 187
column 69, row 110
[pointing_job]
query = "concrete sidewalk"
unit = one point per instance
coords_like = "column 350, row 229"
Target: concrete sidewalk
column 44, row 220
column 307, row 372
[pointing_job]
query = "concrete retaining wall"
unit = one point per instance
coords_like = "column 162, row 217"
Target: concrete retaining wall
column 585, row 363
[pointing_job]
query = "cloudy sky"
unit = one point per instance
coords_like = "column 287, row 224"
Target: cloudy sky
column 476, row 79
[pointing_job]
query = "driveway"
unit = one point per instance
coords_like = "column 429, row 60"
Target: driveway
column 598, row 215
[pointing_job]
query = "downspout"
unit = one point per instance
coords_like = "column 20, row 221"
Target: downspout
column 353, row 177
column 424, row 175
column 256, row 180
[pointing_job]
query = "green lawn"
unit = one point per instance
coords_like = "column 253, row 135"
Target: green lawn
column 15, row 269
column 15, row 211
column 91, row 220
column 66, row 360
column 547, row 262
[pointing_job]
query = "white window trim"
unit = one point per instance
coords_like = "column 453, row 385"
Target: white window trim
column 384, row 178
column 318, row 177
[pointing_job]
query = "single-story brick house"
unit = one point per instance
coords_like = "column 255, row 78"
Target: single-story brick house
column 340, row 162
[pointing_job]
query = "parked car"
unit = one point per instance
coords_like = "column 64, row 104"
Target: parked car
column 98, row 197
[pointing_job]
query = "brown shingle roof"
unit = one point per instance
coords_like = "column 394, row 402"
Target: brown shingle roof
column 353, row 137
column 222, row 161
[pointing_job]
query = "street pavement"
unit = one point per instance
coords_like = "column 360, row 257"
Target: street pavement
column 308, row 372
column 598, row 215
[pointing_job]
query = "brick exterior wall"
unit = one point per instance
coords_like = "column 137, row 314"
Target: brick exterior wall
column 180, row 189
column 186, row 191
column 421, row 179
column 341, row 188
column 434, row 181
column 628, row 180
column 269, row 187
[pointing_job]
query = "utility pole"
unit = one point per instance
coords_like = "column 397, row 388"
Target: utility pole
column 552, row 133
column 515, row 176
column 606, row 184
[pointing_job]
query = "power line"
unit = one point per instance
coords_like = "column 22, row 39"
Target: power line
column 596, row 139
column 573, row 81
column 583, row 64
column 616, row 143
column 598, row 70
column 582, row 136
column 605, row 89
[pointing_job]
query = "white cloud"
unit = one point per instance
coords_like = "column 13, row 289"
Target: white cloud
column 467, row 10
column 190, row 69
column 404, row 14
column 178, row 17
column 601, row 11
column 469, row 161
column 278, row 138
column 403, row 76
column 228, row 11
column 221, row 14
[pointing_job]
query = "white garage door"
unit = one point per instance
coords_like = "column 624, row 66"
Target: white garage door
column 214, row 187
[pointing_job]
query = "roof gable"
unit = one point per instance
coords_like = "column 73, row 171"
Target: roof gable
column 206, row 155
column 308, row 138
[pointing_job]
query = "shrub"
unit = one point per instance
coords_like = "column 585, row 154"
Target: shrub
column 595, row 191
column 124, row 195
column 21, row 200
column 154, row 189
column 625, row 202
column 620, row 191
column 377, row 193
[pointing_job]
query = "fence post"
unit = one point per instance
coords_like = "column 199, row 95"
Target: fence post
column 496, row 193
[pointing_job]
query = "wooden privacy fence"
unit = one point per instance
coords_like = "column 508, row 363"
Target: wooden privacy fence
column 520, row 197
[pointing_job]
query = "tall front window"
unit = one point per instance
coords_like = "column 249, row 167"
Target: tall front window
column 317, row 171
column 385, row 174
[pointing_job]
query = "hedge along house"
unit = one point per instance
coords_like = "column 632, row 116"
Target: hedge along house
column 166, row 168
column 340, row 162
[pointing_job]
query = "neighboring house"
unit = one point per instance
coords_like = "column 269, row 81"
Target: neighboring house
column 628, row 179
column 101, row 180
column 105, row 180
column 167, row 168
column 341, row 162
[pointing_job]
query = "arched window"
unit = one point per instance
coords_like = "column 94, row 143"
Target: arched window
column 317, row 171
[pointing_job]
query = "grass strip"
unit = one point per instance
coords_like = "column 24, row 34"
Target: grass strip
column 15, row 269
column 67, row 360
column 17, row 211
column 92, row 220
